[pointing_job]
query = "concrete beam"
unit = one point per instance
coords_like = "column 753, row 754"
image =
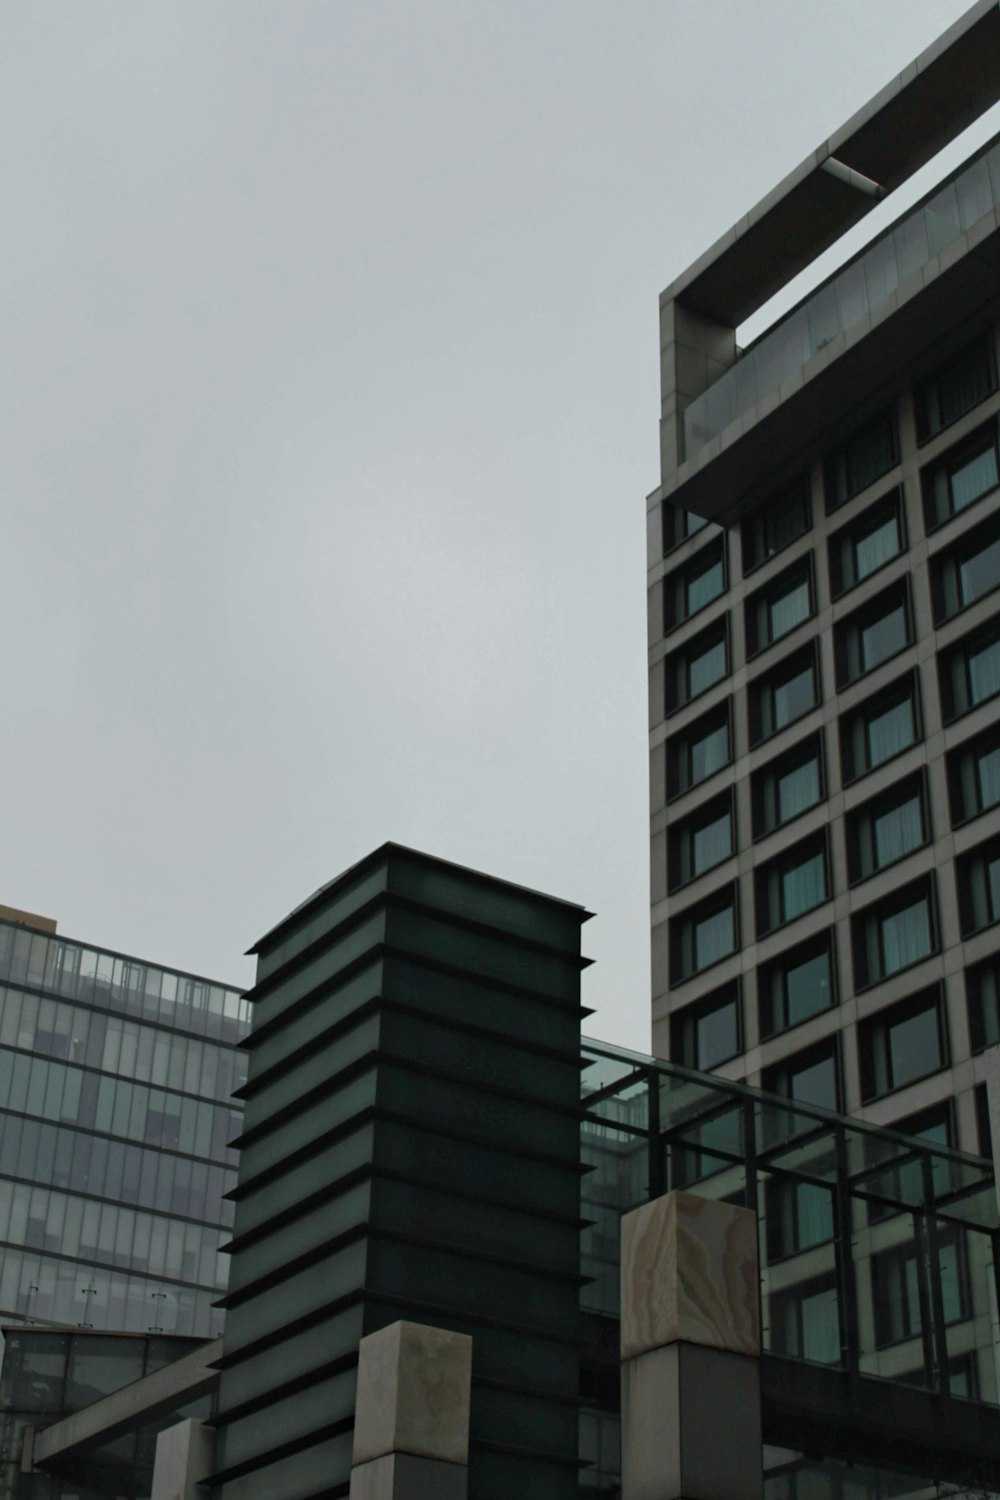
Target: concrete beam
column 937, row 96
column 133, row 1406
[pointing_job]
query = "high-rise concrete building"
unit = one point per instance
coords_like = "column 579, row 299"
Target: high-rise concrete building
column 824, row 628
column 115, row 1130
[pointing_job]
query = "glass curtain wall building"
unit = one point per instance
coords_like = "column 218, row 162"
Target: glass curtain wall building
column 115, row 1123
column 825, row 630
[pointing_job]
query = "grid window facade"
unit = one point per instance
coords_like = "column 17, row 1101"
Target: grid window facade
column 115, row 1130
column 878, row 559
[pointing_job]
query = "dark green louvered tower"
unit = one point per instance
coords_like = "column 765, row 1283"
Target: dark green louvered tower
column 410, row 1151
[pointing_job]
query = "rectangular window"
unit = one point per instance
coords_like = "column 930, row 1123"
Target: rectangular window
column 879, row 729
column 697, row 666
column 808, row 1077
column 974, row 776
column 787, row 786
column 799, row 1215
column 875, row 538
column 695, row 584
column 873, row 634
column 965, row 473
column 774, row 526
column 969, row 672
column 788, row 691
column 778, row 608
column 982, row 993
column 700, row 842
column 896, row 1289
column 966, row 572
column 805, row 1321
column 887, row 828
column 703, row 935
column 794, row 883
column 894, row 933
column 706, row 1034
column 869, row 454
column 699, row 751
column 956, row 388
column 796, row 985
column 903, row 1043
column 977, row 876
column 678, row 525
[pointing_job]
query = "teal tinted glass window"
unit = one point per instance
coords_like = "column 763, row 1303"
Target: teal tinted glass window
column 961, row 477
column 798, row 789
column 708, row 668
column 807, row 986
column 906, row 936
column 712, row 842
column 714, row 937
column 890, row 732
column 708, row 1033
column 897, row 831
column 787, row 786
column 700, row 842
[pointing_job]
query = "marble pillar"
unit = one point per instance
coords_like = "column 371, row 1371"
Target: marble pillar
column 690, row 1351
column 184, row 1455
column 411, row 1416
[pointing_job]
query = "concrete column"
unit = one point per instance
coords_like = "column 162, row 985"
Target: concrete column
column 184, row 1454
column 690, row 1352
column 411, row 1415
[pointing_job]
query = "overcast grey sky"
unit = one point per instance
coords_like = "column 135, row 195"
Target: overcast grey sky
column 330, row 407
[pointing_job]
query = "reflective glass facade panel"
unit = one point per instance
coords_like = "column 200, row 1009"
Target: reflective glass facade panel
column 115, row 1124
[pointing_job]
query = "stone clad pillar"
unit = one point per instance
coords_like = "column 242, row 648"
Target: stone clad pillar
column 184, row 1455
column 411, row 1415
column 690, row 1351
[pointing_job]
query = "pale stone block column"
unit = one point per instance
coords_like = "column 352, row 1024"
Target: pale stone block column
column 411, row 1415
column 690, row 1351
column 184, row 1455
